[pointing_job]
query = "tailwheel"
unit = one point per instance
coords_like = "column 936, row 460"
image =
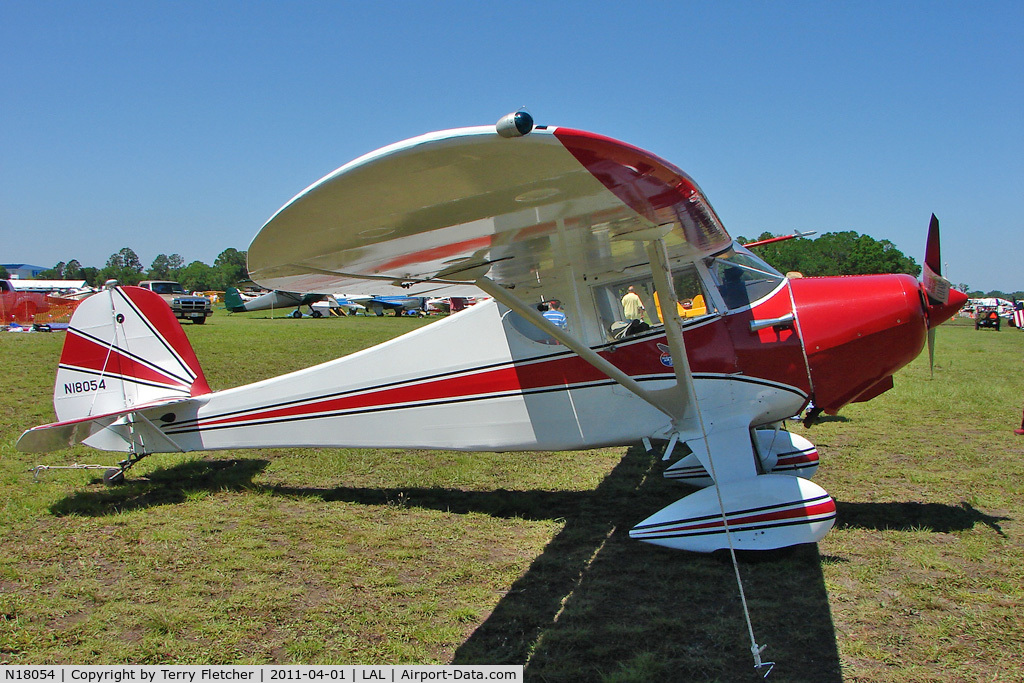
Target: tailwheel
column 115, row 475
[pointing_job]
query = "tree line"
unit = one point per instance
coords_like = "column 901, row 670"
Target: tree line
column 227, row 270
column 847, row 253
column 834, row 253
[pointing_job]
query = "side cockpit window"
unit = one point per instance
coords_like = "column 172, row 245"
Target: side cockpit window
column 693, row 303
column 633, row 306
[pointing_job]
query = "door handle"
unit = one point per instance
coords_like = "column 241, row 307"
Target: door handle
column 781, row 322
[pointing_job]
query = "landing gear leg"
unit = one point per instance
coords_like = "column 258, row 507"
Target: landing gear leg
column 812, row 416
column 115, row 475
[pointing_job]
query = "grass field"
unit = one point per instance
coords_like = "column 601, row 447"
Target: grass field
column 391, row 557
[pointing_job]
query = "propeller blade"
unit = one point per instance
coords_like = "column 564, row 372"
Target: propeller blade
column 932, row 251
column 936, row 286
column 943, row 301
column 933, row 278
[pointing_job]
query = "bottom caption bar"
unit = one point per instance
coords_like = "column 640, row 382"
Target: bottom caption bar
column 260, row 674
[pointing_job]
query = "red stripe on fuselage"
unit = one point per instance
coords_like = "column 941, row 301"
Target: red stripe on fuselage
column 708, row 350
column 493, row 381
column 566, row 371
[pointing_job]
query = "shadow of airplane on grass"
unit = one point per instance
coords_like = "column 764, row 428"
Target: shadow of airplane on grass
column 596, row 605
column 913, row 516
column 164, row 486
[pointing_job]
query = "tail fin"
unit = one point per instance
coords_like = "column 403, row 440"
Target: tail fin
column 124, row 348
column 233, row 300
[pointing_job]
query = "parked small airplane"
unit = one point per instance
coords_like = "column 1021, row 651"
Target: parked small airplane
column 279, row 299
column 339, row 305
column 529, row 215
column 274, row 300
column 449, row 304
column 398, row 305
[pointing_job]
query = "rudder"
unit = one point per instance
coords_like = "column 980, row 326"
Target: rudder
column 124, row 348
column 233, row 301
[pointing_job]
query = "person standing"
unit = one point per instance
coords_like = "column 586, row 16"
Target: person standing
column 555, row 315
column 632, row 306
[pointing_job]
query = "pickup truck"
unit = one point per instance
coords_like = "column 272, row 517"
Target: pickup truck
column 183, row 304
column 20, row 305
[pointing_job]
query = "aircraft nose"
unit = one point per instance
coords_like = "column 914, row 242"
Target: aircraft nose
column 858, row 331
column 940, row 313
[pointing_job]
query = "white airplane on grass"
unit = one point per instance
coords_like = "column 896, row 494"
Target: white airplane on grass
column 528, row 215
column 275, row 300
column 337, row 305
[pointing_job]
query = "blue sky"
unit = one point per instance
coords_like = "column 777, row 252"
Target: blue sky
column 181, row 127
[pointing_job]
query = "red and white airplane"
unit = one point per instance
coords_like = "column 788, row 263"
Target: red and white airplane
column 729, row 347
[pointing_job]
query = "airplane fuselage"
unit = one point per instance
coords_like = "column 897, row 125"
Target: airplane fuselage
column 481, row 380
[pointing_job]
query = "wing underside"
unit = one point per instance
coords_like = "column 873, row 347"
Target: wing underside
column 431, row 214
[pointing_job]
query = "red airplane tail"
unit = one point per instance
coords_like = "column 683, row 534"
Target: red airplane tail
column 124, row 352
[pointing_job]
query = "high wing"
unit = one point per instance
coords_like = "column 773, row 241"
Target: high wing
column 433, row 213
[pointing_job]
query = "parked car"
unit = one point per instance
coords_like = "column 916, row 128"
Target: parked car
column 184, row 305
column 986, row 316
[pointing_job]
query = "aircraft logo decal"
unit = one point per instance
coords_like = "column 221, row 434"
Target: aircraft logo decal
column 666, row 357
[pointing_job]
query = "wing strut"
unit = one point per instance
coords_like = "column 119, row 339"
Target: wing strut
column 682, row 395
column 689, row 410
column 678, row 402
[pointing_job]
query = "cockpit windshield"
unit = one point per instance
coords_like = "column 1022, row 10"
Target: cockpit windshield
column 742, row 278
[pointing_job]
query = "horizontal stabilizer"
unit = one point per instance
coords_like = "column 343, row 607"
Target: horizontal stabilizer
column 125, row 359
column 127, row 425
